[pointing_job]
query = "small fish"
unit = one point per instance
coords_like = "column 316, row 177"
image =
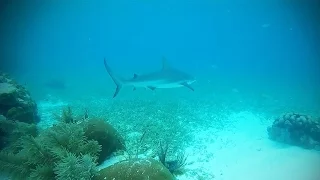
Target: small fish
column 167, row 77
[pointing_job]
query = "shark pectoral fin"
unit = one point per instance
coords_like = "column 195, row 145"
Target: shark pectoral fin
column 187, row 86
column 152, row 88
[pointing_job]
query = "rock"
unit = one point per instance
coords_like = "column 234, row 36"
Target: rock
column 281, row 120
column 292, row 118
column 287, row 116
column 16, row 102
column 295, row 129
column 303, row 119
column 106, row 135
column 135, row 169
column 287, row 123
column 8, row 94
column 2, row 117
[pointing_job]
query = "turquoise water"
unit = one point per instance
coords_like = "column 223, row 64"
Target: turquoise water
column 266, row 46
column 250, row 59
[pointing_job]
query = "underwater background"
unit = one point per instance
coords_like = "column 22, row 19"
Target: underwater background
column 254, row 62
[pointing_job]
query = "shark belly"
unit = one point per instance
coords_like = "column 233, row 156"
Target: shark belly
column 169, row 85
column 156, row 84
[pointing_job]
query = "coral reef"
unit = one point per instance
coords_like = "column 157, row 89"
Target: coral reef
column 296, row 129
column 106, row 135
column 60, row 152
column 16, row 102
column 70, row 149
column 73, row 167
column 176, row 165
column 135, row 169
column 96, row 129
column 12, row 131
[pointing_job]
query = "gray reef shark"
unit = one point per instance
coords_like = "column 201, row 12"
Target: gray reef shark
column 167, row 77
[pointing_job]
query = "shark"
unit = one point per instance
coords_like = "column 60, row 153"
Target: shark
column 166, row 77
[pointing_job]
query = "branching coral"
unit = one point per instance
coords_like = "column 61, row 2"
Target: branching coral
column 12, row 131
column 36, row 151
column 14, row 165
column 41, row 172
column 69, row 150
column 76, row 167
column 71, row 137
column 47, row 155
column 175, row 165
column 66, row 116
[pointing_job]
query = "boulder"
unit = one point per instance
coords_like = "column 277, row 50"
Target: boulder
column 296, row 129
column 15, row 101
column 135, row 169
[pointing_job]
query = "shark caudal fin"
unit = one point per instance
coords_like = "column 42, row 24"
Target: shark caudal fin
column 114, row 78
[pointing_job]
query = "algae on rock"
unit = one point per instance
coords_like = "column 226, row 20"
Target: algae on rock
column 96, row 129
column 135, row 169
column 12, row 131
column 106, row 135
column 16, row 102
column 70, row 149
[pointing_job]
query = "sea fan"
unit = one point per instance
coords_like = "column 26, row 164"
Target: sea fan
column 14, row 165
column 42, row 172
column 73, row 167
column 176, row 165
column 71, row 138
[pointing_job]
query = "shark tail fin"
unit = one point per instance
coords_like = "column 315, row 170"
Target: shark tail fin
column 116, row 80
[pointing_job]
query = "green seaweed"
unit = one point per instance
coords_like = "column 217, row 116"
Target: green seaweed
column 47, row 155
column 71, row 137
column 42, row 172
column 66, row 116
column 68, row 150
column 12, row 131
column 73, row 167
column 14, row 165
column 36, row 149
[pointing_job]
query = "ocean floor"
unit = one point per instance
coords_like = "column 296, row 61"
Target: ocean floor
column 244, row 152
column 221, row 144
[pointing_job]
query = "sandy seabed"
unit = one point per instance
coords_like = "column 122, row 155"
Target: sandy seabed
column 241, row 151
column 244, row 152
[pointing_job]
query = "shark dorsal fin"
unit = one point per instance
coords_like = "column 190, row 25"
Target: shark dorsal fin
column 135, row 76
column 165, row 64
